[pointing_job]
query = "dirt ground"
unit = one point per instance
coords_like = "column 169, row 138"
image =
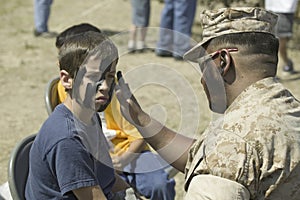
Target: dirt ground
column 169, row 89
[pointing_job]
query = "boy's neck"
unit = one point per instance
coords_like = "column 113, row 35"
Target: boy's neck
column 83, row 114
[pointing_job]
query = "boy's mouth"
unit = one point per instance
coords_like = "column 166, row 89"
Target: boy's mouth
column 101, row 99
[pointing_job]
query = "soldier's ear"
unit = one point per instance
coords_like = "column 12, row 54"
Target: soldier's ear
column 225, row 62
column 227, row 68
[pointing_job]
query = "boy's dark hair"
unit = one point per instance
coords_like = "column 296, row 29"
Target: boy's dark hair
column 73, row 30
column 75, row 50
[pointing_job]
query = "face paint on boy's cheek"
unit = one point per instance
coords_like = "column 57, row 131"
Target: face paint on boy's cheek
column 78, row 84
column 88, row 101
column 110, row 93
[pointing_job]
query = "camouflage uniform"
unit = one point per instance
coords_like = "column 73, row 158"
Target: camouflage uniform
column 256, row 143
column 215, row 4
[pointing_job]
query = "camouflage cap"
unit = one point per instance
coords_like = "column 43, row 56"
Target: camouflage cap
column 229, row 21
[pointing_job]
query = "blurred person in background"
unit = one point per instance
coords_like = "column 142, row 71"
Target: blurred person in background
column 284, row 29
column 42, row 10
column 176, row 23
column 140, row 22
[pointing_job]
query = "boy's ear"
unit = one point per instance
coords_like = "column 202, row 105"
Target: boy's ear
column 66, row 79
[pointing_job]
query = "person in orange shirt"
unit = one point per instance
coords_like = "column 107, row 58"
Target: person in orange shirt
column 131, row 156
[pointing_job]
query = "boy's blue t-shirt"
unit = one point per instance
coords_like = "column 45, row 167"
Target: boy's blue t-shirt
column 67, row 155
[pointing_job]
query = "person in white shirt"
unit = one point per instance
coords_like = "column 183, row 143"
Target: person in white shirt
column 284, row 29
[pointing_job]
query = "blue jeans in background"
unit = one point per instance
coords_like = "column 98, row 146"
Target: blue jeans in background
column 176, row 23
column 41, row 14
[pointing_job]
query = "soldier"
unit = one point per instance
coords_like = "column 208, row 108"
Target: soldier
column 284, row 29
column 252, row 150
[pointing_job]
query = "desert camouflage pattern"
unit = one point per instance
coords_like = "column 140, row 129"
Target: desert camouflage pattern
column 255, row 143
column 236, row 20
column 215, row 4
column 230, row 21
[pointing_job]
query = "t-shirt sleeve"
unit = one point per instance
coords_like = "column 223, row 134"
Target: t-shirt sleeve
column 72, row 165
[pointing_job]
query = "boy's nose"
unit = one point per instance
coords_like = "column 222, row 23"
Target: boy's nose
column 102, row 86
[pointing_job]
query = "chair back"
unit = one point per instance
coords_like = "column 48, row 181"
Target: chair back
column 51, row 95
column 18, row 168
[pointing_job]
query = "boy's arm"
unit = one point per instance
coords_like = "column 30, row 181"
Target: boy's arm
column 173, row 147
column 89, row 193
column 96, row 193
column 120, row 184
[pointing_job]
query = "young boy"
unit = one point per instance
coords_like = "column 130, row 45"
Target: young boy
column 69, row 158
column 131, row 155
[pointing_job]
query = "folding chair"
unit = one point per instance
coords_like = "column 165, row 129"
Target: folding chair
column 51, row 95
column 18, row 168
